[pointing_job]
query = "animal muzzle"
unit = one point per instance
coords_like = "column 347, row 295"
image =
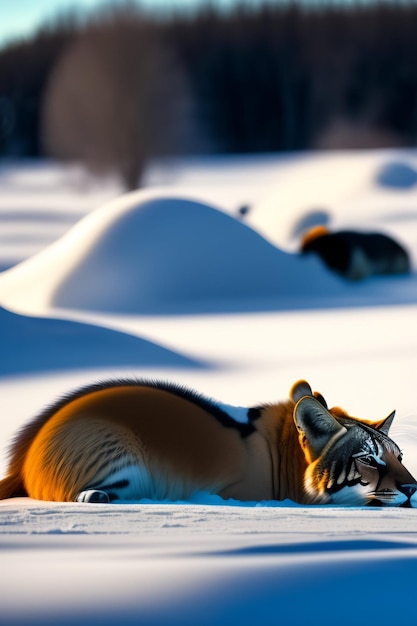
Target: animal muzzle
column 410, row 491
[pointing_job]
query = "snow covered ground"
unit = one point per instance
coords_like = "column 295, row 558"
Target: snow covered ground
column 169, row 283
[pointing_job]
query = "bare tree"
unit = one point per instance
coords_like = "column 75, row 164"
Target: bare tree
column 115, row 98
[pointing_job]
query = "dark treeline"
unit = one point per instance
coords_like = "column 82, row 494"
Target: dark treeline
column 271, row 79
column 289, row 78
column 25, row 67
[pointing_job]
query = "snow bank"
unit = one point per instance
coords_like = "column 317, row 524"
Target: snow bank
column 32, row 345
column 146, row 253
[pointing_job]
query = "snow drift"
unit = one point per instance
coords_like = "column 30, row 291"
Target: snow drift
column 146, row 253
column 32, row 345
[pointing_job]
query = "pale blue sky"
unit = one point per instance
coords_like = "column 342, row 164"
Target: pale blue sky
column 21, row 17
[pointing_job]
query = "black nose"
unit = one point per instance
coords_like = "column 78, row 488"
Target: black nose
column 409, row 490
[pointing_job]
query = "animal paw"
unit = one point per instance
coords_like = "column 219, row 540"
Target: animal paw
column 93, row 495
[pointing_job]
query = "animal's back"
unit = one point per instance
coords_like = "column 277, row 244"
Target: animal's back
column 141, row 440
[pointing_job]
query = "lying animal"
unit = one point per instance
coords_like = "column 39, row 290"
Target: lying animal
column 126, row 440
column 356, row 255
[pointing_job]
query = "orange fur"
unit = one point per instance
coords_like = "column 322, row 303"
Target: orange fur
column 313, row 233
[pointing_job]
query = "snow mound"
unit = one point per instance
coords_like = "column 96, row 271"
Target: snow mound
column 34, row 345
column 149, row 253
column 397, row 175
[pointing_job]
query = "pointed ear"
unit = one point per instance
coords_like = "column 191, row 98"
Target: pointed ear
column 316, row 426
column 385, row 424
column 300, row 389
column 321, row 399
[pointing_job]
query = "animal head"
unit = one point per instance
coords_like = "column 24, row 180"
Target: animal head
column 334, row 249
column 349, row 461
column 310, row 237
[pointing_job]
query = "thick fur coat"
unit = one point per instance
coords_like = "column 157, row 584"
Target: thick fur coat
column 128, row 440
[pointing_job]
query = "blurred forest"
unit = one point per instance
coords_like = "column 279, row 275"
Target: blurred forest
column 119, row 88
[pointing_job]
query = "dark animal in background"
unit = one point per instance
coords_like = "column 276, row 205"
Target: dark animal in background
column 356, row 255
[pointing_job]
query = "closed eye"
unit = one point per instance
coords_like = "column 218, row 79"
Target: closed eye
column 368, row 460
